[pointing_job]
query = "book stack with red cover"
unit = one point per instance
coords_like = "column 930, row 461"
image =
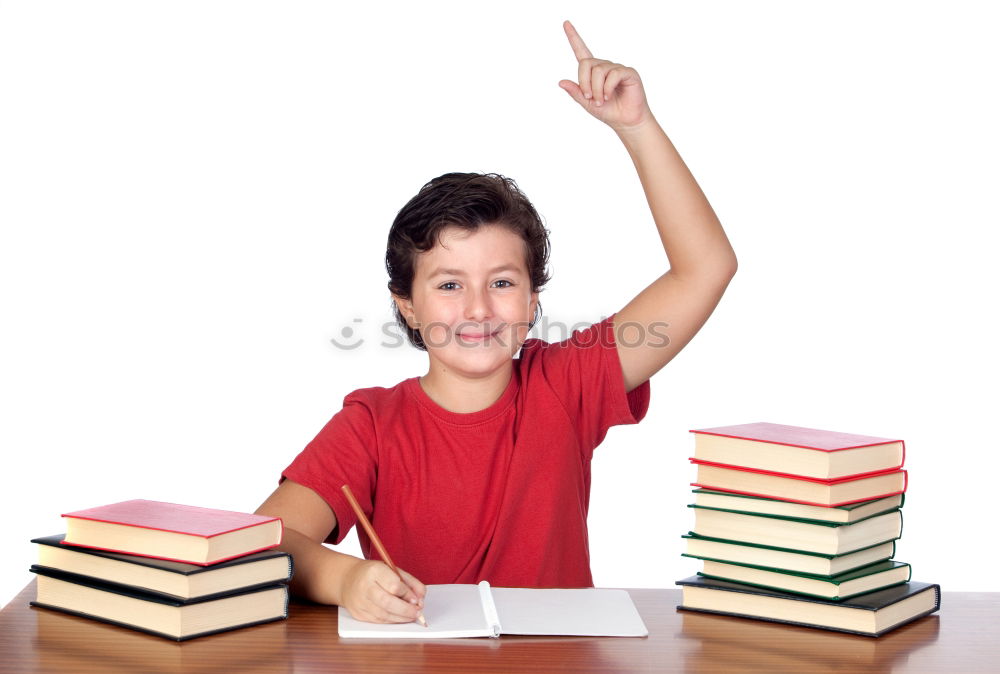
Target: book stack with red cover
column 171, row 570
column 799, row 525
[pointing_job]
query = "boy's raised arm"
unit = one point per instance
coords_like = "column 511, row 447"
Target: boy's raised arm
column 652, row 328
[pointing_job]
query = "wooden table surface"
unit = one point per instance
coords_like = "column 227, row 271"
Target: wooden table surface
column 963, row 638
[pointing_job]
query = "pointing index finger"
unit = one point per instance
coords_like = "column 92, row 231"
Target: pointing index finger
column 575, row 41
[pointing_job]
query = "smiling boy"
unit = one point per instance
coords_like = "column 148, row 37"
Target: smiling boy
column 480, row 469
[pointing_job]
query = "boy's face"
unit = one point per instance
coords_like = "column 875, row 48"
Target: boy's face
column 472, row 299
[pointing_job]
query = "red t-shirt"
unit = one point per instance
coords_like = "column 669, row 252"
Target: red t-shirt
column 500, row 494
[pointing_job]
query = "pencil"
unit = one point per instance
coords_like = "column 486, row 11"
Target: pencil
column 383, row 553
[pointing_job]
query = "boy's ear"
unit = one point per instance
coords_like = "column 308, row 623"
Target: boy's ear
column 405, row 308
column 534, row 305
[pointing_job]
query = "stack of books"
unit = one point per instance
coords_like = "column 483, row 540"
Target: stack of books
column 799, row 525
column 172, row 570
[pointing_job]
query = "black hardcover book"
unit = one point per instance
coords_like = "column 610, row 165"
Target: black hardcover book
column 158, row 613
column 180, row 580
column 872, row 614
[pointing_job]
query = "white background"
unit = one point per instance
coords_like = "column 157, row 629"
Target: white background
column 195, row 198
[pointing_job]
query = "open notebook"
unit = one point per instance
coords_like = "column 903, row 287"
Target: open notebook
column 481, row 611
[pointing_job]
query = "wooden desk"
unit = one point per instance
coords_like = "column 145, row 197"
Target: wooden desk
column 963, row 637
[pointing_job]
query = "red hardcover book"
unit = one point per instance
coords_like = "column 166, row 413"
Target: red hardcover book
column 798, row 451
column 171, row 531
column 811, row 491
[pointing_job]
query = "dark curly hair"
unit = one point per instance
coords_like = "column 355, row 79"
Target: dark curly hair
column 468, row 201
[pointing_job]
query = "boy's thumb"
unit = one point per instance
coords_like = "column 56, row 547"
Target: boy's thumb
column 574, row 90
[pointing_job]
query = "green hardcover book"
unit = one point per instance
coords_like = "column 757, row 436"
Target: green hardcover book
column 770, row 557
column 845, row 514
column 798, row 534
column 835, row 588
column 871, row 614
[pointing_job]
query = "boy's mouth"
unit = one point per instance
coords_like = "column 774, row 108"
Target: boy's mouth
column 477, row 336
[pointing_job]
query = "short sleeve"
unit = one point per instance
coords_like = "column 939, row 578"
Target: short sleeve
column 343, row 452
column 585, row 373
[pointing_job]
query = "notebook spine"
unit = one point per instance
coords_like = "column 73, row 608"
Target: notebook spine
column 489, row 608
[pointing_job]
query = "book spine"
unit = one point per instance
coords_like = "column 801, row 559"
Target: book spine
column 793, row 476
column 775, row 620
column 789, row 518
column 170, row 559
column 172, row 637
column 879, row 441
column 833, row 596
column 791, row 500
column 119, row 523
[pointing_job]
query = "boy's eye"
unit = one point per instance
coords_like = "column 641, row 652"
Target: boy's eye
column 509, row 284
column 449, row 283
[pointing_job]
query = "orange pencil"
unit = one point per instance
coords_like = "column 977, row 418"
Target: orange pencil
column 375, row 540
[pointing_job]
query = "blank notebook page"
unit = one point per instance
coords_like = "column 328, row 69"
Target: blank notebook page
column 576, row 612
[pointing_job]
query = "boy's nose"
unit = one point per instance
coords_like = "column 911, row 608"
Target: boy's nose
column 478, row 307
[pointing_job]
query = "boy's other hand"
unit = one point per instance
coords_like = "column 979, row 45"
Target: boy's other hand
column 609, row 91
column 373, row 593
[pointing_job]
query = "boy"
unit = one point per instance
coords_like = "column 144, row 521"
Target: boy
column 480, row 469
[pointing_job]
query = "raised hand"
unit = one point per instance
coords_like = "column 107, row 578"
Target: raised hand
column 611, row 92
